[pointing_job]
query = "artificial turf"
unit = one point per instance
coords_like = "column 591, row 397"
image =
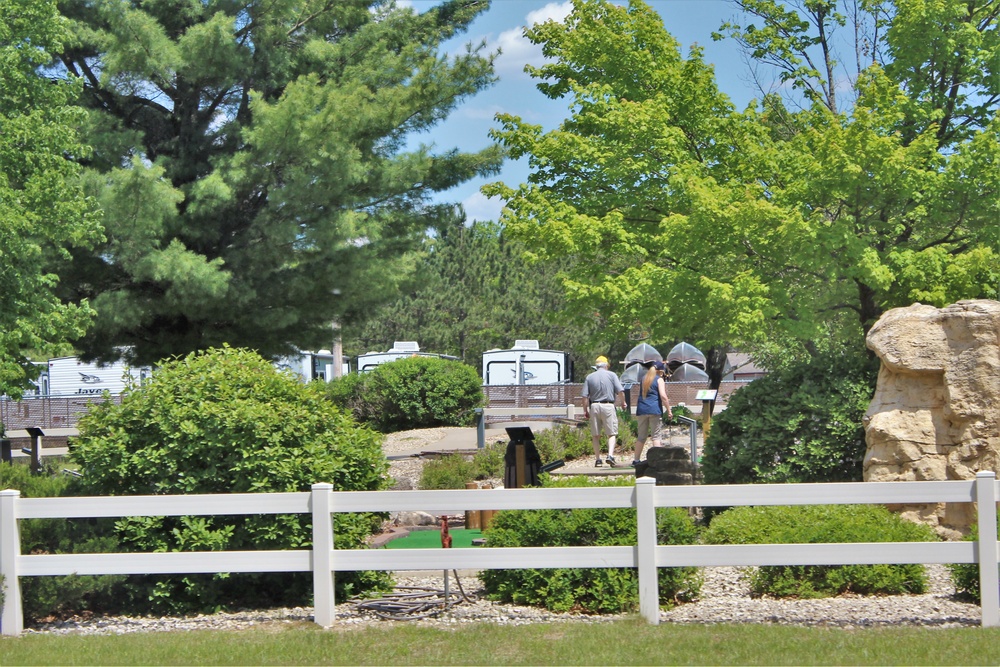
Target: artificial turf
column 430, row 539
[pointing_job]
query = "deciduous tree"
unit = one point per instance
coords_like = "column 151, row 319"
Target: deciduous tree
column 476, row 292
column 770, row 228
column 43, row 210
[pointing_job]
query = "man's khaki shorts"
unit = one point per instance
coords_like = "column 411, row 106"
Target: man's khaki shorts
column 603, row 416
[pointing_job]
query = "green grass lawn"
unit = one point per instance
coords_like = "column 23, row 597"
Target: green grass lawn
column 431, row 539
column 629, row 642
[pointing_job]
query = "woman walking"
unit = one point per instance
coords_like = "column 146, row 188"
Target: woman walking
column 649, row 409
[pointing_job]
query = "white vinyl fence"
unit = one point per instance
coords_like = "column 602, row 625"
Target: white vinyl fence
column 646, row 556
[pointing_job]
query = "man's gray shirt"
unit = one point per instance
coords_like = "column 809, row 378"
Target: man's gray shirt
column 602, row 386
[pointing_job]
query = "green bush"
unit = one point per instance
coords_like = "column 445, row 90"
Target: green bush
column 798, row 425
column 488, row 462
column 965, row 576
column 628, row 430
column 227, row 421
column 679, row 411
column 48, row 596
column 812, row 524
column 447, row 472
column 591, row 590
column 563, row 441
column 417, row 392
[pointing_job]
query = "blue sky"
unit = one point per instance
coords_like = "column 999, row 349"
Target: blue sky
column 689, row 21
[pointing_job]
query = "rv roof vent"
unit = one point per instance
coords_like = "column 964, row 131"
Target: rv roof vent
column 526, row 344
column 405, row 346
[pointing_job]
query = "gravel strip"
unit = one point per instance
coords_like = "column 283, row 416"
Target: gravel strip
column 725, row 599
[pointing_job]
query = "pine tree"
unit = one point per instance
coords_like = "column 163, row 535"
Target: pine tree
column 256, row 166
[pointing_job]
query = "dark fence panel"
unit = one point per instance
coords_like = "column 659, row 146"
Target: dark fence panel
column 46, row 411
column 65, row 411
column 556, row 395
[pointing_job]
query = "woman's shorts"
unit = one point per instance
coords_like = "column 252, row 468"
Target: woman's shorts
column 650, row 426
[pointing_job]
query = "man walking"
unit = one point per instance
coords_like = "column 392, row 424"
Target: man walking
column 600, row 399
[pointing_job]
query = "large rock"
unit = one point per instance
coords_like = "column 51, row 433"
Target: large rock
column 934, row 415
column 670, row 466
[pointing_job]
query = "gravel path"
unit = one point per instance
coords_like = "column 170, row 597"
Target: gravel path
column 724, row 600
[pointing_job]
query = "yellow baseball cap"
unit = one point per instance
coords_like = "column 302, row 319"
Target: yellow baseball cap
column 601, row 360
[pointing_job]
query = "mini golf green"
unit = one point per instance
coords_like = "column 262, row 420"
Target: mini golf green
column 431, row 539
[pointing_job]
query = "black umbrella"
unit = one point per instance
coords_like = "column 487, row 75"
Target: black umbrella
column 633, row 374
column 643, row 353
column 688, row 373
column 685, row 353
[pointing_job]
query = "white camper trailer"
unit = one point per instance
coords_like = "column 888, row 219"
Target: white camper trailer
column 68, row 376
column 401, row 349
column 525, row 363
column 312, row 365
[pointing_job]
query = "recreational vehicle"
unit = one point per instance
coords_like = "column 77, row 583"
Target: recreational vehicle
column 312, row 365
column 68, row 376
column 525, row 363
column 400, row 350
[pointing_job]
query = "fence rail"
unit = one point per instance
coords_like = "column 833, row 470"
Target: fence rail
column 557, row 395
column 322, row 560
column 65, row 411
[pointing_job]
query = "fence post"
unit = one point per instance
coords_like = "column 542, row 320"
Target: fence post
column 480, row 428
column 986, row 549
column 322, row 554
column 11, row 616
column 649, row 584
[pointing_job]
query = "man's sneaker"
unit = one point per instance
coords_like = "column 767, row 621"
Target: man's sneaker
column 598, row 463
column 611, row 461
column 635, row 463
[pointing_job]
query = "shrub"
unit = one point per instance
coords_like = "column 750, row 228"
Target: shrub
column 417, row 392
column 593, row 590
column 488, row 462
column 798, row 425
column 563, row 441
column 814, row 524
column 46, row 596
column 965, row 576
column 447, row 472
column 628, row 430
column 679, row 411
column 227, row 421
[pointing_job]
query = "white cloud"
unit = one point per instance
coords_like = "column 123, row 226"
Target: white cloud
column 555, row 11
column 473, row 112
column 516, row 50
column 480, row 207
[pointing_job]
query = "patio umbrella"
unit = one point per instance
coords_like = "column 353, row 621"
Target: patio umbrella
column 643, row 353
column 688, row 373
column 633, row 374
column 685, row 353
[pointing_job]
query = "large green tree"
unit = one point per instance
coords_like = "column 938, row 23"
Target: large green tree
column 475, row 292
column 256, row 159
column 772, row 226
column 43, row 211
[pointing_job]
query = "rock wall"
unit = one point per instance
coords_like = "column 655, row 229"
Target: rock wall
column 934, row 415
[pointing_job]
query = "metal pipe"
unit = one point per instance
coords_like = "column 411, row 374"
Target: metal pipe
column 693, row 431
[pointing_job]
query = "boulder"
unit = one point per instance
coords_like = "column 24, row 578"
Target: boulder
column 416, row 519
column 934, row 414
column 670, row 466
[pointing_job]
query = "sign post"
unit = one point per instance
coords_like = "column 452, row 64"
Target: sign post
column 707, row 398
